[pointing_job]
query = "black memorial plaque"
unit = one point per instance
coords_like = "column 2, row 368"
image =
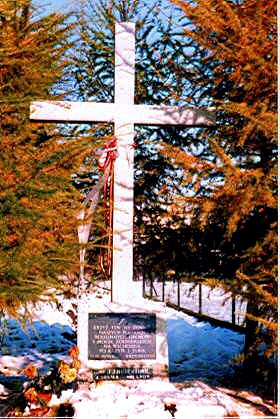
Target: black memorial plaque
column 124, row 336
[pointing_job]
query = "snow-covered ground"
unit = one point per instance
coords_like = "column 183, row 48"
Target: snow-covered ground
column 199, row 356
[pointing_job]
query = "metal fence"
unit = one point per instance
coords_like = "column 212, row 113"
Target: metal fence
column 199, row 300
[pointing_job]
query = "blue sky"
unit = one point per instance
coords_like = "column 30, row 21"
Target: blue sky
column 52, row 5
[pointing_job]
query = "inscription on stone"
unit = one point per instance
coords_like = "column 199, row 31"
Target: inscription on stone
column 123, row 374
column 124, row 336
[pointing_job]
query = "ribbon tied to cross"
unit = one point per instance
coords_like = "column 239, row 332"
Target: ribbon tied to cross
column 85, row 216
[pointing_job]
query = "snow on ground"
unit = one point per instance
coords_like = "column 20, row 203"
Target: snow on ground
column 198, row 350
column 41, row 342
column 199, row 354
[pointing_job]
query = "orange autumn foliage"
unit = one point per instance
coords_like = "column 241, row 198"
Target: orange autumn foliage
column 39, row 411
column 233, row 180
column 38, row 202
column 74, row 352
column 31, row 395
column 30, row 371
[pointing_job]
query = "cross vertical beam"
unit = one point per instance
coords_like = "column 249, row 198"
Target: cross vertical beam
column 122, row 272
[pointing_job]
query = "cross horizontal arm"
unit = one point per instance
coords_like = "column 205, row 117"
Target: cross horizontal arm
column 171, row 115
column 59, row 111
column 62, row 111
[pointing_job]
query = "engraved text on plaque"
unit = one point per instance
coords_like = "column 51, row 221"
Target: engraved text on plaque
column 124, row 336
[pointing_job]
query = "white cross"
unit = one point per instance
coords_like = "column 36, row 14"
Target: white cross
column 124, row 114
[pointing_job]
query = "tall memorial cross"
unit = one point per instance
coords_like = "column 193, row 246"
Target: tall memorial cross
column 124, row 114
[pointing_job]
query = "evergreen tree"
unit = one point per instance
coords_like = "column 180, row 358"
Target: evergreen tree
column 38, row 203
column 235, row 199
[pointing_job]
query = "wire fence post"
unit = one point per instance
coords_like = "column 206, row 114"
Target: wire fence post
column 178, row 293
column 151, row 285
column 233, row 309
column 200, row 298
column 144, row 285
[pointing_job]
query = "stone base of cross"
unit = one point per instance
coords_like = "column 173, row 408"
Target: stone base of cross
column 124, row 114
